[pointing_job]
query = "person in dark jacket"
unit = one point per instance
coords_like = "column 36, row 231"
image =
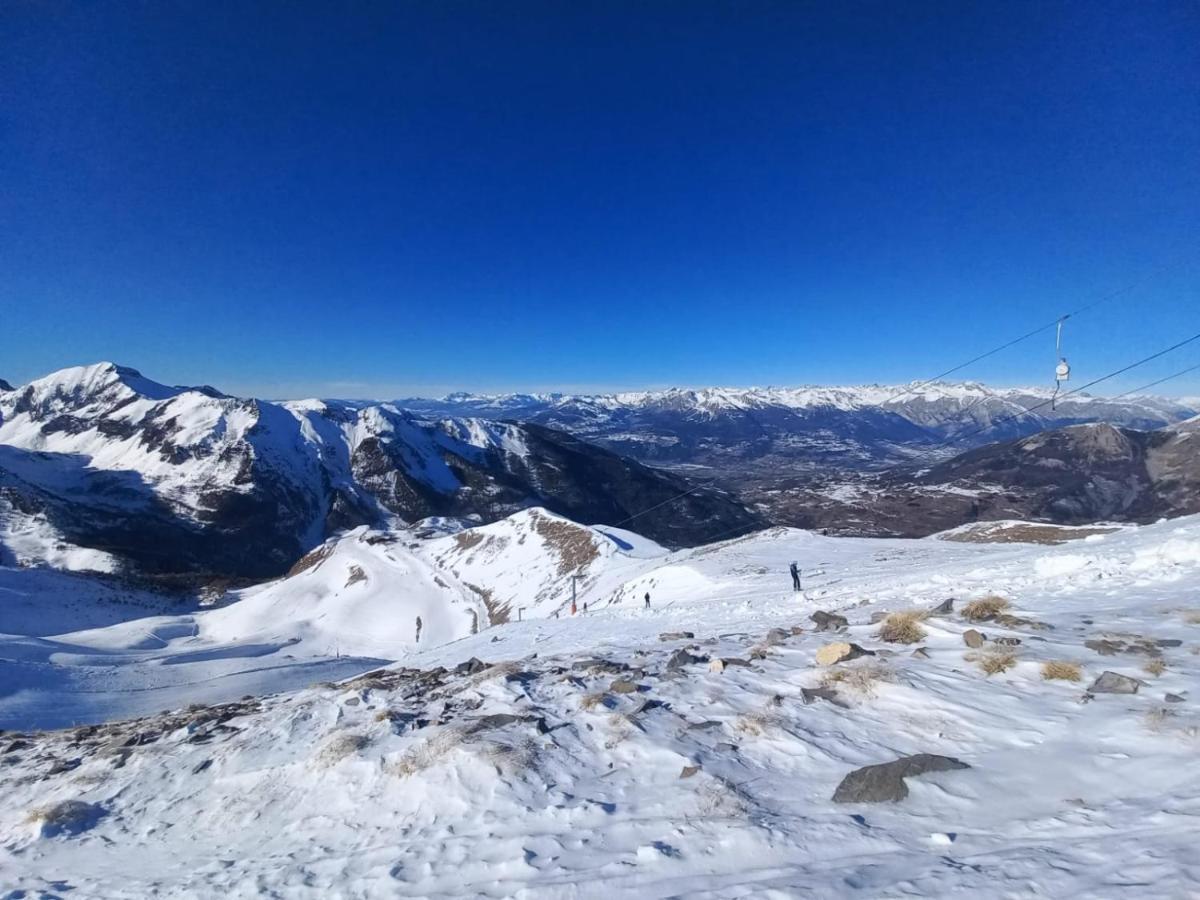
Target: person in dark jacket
column 647, row 599
column 795, row 570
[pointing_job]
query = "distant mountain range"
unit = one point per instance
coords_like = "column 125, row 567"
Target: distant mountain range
column 735, row 431
column 101, row 467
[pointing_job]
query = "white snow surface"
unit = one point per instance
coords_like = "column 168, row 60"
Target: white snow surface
column 389, row 787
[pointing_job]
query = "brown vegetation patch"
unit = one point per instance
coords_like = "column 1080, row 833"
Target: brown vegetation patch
column 863, row 678
column 993, row 660
column 466, row 540
column 1061, row 670
column 903, row 627
column 310, row 560
column 1155, row 667
column 984, row 608
column 1023, row 533
column 574, row 545
column 498, row 613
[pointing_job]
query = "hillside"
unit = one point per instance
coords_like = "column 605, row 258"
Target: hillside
column 1074, row 475
column 605, row 752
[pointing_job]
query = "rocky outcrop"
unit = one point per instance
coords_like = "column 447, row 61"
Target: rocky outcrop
column 884, row 783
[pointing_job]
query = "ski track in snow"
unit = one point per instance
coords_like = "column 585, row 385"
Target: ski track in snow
column 1063, row 798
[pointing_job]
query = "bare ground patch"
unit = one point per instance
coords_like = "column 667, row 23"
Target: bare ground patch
column 1021, row 533
column 575, row 546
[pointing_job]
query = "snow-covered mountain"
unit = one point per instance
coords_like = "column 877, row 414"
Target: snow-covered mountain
column 180, row 479
column 853, row 427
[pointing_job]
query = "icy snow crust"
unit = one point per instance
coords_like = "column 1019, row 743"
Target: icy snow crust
column 534, row 778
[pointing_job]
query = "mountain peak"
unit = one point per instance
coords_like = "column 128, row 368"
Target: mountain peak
column 103, row 383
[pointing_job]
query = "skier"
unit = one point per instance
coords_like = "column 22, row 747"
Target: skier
column 794, row 568
column 418, row 629
column 647, row 599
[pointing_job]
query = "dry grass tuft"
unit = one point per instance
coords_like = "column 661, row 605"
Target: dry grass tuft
column 903, row 627
column 984, row 608
column 426, row 754
column 994, row 660
column 591, row 701
column 64, row 816
column 1192, row 616
column 1155, row 667
column 755, row 724
column 863, row 679
column 1158, row 719
column 718, row 799
column 510, row 759
column 340, row 746
column 1061, row 670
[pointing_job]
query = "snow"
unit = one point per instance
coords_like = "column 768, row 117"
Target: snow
column 986, row 401
column 378, row 789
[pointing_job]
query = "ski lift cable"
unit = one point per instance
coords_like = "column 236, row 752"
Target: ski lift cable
column 636, row 515
column 1143, row 387
column 1082, row 387
column 1057, row 323
column 750, row 528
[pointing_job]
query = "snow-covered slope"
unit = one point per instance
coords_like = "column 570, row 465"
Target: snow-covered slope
column 591, row 758
column 524, row 565
column 361, row 597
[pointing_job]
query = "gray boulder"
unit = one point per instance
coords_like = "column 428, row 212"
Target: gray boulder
column 829, row 695
column 827, row 621
column 884, row 783
column 681, row 658
column 1114, row 683
column 470, row 666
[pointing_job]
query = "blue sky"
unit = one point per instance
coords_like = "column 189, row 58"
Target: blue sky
column 380, row 199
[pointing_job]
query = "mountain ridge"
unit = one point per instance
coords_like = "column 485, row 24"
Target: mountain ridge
column 181, row 479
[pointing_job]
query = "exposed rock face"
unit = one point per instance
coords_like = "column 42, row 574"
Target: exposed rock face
column 188, row 480
column 884, row 783
column 1071, row 476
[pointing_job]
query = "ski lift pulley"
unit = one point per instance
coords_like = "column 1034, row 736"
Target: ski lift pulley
column 1062, row 372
